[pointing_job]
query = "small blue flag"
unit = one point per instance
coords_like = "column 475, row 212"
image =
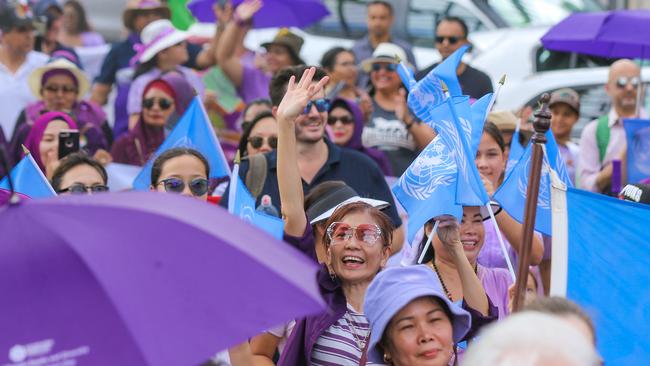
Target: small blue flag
column 28, row 179
column 447, row 71
column 479, row 114
column 511, row 195
column 638, row 149
column 243, row 206
column 426, row 188
column 515, row 152
column 194, row 131
column 607, row 273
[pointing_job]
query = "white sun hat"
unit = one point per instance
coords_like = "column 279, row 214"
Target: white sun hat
column 385, row 52
column 35, row 80
column 157, row 36
column 344, row 195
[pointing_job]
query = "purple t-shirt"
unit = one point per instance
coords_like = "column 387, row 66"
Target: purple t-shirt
column 254, row 84
column 90, row 39
column 496, row 282
column 134, row 104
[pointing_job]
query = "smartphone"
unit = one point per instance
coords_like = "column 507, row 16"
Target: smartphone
column 68, row 142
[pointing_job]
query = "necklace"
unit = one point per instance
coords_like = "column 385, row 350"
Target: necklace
column 358, row 339
column 444, row 287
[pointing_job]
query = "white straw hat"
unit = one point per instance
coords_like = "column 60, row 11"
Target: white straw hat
column 158, row 36
column 385, row 52
column 35, row 79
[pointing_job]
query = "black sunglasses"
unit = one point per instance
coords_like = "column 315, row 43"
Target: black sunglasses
column 451, row 40
column 346, row 120
column 198, row 186
column 163, row 103
column 387, row 67
column 257, row 141
column 64, row 88
column 82, row 189
column 322, row 105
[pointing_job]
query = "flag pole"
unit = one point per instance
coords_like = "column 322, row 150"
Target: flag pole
column 502, row 244
column 495, row 96
column 541, row 125
column 232, row 193
column 428, row 244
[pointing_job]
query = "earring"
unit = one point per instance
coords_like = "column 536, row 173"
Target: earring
column 332, row 274
column 386, row 359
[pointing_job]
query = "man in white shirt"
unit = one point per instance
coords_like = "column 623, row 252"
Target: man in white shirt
column 17, row 61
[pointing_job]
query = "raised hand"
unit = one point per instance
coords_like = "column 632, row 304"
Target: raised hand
column 298, row 95
column 449, row 233
column 247, row 9
column 489, row 187
column 401, row 108
column 223, row 14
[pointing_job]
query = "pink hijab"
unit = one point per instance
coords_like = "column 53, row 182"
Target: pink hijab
column 33, row 140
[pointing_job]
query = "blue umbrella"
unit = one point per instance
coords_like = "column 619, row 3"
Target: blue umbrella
column 141, row 278
column 274, row 13
column 614, row 34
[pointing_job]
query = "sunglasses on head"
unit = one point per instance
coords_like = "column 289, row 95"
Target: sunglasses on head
column 340, row 232
column 451, row 40
column 198, row 186
column 82, row 189
column 622, row 82
column 346, row 120
column 257, row 141
column 385, row 66
column 64, row 88
column 163, row 103
column 322, row 105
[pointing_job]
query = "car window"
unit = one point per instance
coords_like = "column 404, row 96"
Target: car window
column 547, row 60
column 594, row 102
column 540, row 12
column 425, row 14
column 347, row 19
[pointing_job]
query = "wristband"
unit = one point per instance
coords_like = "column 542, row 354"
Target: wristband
column 239, row 21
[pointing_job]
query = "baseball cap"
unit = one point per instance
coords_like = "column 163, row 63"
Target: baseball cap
column 567, row 96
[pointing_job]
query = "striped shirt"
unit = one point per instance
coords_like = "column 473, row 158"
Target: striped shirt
column 343, row 342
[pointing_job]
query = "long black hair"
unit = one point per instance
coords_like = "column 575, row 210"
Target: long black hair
column 243, row 140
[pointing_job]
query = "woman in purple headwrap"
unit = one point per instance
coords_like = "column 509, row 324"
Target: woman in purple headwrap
column 61, row 85
column 163, row 102
column 345, row 127
column 43, row 139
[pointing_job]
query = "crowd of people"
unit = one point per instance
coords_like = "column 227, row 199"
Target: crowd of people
column 317, row 144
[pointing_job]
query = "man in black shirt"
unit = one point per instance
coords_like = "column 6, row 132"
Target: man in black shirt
column 451, row 34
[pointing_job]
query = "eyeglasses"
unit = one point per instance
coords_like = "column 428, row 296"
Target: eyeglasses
column 451, row 40
column 387, row 67
column 346, row 120
column 198, row 186
column 163, row 103
column 257, row 141
column 340, row 232
column 82, row 189
column 52, row 88
column 622, row 82
column 322, row 105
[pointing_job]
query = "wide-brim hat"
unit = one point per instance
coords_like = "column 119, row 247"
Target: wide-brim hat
column 291, row 41
column 35, row 80
column 504, row 120
column 158, row 36
column 393, row 289
column 136, row 7
column 385, row 52
column 324, row 208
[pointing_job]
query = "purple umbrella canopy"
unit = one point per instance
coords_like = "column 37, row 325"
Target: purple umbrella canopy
column 614, row 34
column 140, row 278
column 274, row 13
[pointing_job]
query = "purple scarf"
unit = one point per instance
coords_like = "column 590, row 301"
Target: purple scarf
column 355, row 142
column 33, row 140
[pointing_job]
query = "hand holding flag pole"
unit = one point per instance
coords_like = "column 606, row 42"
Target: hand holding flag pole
column 541, row 125
column 233, row 183
column 428, row 244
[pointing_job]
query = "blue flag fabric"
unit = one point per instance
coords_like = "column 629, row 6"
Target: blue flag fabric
column 243, row 206
column 479, row 113
column 426, row 188
column 638, row 149
column 511, row 195
column 446, row 71
column 515, row 152
column 193, row 130
column 608, row 256
column 28, row 179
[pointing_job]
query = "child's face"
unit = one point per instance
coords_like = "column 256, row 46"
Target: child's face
column 531, row 290
column 563, row 118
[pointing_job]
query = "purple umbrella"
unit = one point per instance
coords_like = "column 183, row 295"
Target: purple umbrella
column 5, row 195
column 140, row 278
column 614, row 34
column 274, row 13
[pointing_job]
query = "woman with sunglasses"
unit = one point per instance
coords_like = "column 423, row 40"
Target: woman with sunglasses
column 260, row 135
column 163, row 101
column 392, row 129
column 181, row 170
column 345, row 127
column 60, row 86
column 79, row 174
column 358, row 239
